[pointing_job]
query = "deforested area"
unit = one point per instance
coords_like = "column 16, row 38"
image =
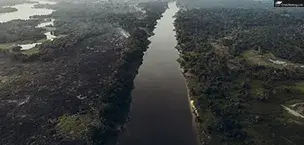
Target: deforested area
column 67, row 72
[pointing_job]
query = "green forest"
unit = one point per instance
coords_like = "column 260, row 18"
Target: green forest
column 244, row 69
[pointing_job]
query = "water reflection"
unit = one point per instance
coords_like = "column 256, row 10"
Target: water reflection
column 24, row 12
column 160, row 112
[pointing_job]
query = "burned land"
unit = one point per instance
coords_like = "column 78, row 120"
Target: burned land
column 74, row 89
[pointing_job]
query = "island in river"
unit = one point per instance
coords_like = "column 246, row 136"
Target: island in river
column 7, row 10
column 73, row 89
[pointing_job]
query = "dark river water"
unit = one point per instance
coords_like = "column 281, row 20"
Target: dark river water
column 160, row 110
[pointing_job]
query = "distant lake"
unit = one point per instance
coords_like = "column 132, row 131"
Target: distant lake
column 24, row 12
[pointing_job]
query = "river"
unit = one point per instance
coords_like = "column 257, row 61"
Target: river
column 24, row 12
column 160, row 110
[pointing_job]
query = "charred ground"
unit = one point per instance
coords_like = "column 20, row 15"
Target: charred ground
column 75, row 89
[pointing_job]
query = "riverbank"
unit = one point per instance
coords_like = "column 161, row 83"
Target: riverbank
column 202, row 136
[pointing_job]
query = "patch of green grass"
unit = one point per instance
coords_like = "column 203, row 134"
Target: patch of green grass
column 254, row 57
column 249, row 53
column 299, row 86
column 41, row 40
column 73, row 126
column 31, row 41
column 5, row 46
column 29, row 52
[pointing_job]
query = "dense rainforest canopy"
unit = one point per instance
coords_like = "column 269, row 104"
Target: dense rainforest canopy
column 245, row 72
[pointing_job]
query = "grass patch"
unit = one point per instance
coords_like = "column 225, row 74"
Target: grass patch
column 249, row 53
column 253, row 57
column 5, row 46
column 31, row 41
column 299, row 87
column 73, row 126
column 29, row 52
